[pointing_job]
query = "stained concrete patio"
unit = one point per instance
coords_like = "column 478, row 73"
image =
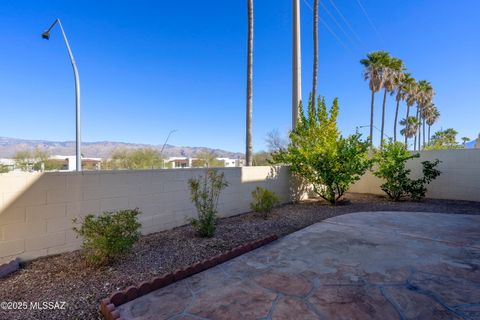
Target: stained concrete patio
column 372, row 265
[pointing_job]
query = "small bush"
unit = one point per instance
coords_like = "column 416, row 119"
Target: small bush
column 263, row 201
column 205, row 192
column 109, row 235
column 391, row 166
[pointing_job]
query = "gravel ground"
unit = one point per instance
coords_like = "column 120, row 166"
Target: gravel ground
column 64, row 277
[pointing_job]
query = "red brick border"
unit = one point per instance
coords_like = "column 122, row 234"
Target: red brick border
column 108, row 305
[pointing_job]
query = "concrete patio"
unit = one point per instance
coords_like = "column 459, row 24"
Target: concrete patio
column 372, row 265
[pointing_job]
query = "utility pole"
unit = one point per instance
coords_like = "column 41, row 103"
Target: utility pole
column 296, row 64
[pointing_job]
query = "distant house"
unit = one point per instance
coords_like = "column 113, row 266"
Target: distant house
column 186, row 162
column 69, row 163
column 9, row 163
column 180, row 162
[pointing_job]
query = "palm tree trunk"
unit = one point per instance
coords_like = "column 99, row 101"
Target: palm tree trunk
column 249, row 147
column 315, row 53
column 372, row 107
column 419, row 120
column 416, row 134
column 429, row 134
column 383, row 116
column 406, row 136
column 395, row 123
column 423, row 133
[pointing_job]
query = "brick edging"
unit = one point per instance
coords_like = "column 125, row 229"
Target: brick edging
column 108, row 305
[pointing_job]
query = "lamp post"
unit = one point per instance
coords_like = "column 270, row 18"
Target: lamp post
column 165, row 143
column 46, row 36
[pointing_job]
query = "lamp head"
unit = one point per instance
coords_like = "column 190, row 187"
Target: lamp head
column 46, row 35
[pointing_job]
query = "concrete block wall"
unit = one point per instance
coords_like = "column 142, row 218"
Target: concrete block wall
column 459, row 180
column 36, row 209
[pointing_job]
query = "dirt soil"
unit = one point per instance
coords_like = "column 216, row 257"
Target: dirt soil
column 65, row 278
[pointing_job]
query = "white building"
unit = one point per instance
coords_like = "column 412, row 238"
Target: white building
column 70, row 162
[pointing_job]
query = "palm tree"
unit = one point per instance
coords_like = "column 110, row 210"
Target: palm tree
column 465, row 140
column 374, row 65
column 424, row 99
column 401, row 93
column 249, row 147
column 432, row 117
column 411, row 89
column 410, row 127
column 315, row 52
column 392, row 75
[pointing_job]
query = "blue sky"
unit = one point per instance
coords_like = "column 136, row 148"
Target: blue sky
column 148, row 67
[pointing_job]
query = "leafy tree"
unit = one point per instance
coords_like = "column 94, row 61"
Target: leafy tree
column 135, row 159
column 320, row 156
column 444, row 139
column 23, row 160
column 207, row 159
column 4, row 168
column 390, row 163
column 262, row 158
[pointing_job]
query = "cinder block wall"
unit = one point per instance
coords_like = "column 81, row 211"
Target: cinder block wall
column 36, row 209
column 460, row 178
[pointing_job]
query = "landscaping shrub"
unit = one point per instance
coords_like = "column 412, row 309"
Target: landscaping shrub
column 205, row 192
column 109, row 235
column 320, row 156
column 263, row 201
column 391, row 166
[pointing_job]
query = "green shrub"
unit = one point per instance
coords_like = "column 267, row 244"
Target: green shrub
column 109, row 235
column 391, row 166
column 205, row 192
column 320, row 156
column 263, row 201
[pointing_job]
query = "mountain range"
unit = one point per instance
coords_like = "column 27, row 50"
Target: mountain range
column 101, row 149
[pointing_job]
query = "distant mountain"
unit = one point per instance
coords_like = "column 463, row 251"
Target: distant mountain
column 101, row 149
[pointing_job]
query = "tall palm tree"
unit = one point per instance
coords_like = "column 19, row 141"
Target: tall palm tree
column 249, row 144
column 410, row 127
column 424, row 99
column 401, row 94
column 315, row 52
column 411, row 89
column 374, row 65
column 465, row 140
column 392, row 75
column 433, row 117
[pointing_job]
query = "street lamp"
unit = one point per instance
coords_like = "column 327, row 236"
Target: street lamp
column 165, row 143
column 46, row 36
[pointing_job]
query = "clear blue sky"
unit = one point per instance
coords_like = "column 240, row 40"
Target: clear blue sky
column 147, row 67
